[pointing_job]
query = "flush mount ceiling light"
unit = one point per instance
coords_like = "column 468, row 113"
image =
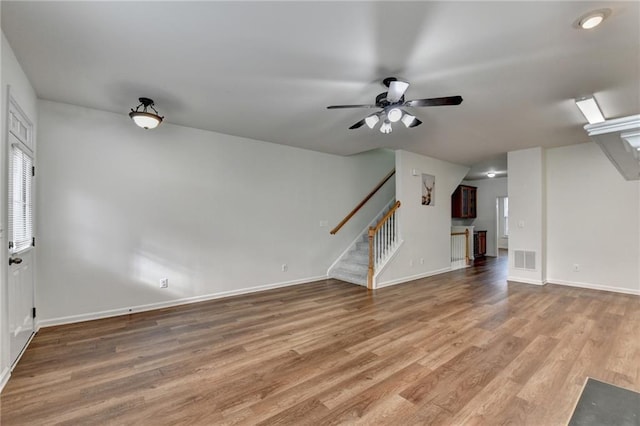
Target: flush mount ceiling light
column 590, row 109
column 145, row 119
column 491, row 174
column 592, row 19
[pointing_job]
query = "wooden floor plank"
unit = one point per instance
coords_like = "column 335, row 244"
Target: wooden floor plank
column 465, row 347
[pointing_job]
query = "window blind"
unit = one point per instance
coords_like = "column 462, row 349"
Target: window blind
column 21, row 203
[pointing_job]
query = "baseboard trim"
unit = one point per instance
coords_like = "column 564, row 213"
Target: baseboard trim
column 525, row 281
column 168, row 304
column 594, row 287
column 4, row 377
column 413, row 277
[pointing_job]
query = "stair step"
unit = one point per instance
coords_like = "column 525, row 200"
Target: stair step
column 356, row 268
column 345, row 275
column 362, row 246
column 353, row 267
column 356, row 257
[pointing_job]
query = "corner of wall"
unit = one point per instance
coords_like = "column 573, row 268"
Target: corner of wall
column 526, row 212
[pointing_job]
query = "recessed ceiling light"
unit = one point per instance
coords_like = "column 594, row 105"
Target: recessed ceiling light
column 491, row 174
column 592, row 19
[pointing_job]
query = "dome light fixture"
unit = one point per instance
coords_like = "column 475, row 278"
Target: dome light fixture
column 592, row 19
column 145, row 119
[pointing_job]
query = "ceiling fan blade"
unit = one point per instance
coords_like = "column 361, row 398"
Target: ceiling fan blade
column 396, row 90
column 415, row 123
column 449, row 100
column 351, row 106
column 358, row 124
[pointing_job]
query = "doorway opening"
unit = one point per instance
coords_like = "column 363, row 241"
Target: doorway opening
column 502, row 226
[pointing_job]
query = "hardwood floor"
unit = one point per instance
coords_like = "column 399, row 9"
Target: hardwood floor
column 459, row 348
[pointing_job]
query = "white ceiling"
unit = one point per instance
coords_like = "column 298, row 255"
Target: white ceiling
column 267, row 70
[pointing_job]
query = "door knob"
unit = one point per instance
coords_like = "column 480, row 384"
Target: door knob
column 15, row 260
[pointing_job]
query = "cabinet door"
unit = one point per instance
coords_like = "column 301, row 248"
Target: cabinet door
column 482, row 242
column 465, row 202
column 471, row 202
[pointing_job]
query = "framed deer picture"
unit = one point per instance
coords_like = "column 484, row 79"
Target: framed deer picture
column 428, row 190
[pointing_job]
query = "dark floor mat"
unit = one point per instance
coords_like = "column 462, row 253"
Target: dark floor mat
column 604, row 404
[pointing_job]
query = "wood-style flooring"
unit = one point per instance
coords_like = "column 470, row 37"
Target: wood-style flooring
column 464, row 347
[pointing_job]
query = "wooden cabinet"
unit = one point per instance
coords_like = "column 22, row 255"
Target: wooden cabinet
column 479, row 244
column 463, row 202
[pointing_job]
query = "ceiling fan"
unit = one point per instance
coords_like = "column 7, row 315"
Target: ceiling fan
column 391, row 105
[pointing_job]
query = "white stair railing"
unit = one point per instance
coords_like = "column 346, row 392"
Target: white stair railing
column 460, row 249
column 383, row 240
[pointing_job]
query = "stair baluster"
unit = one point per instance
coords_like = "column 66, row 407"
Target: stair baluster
column 382, row 240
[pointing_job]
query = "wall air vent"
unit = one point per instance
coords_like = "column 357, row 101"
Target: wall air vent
column 523, row 259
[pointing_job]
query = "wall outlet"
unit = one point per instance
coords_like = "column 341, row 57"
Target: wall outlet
column 324, row 223
column 285, row 268
column 576, row 267
column 422, row 260
column 164, row 282
column 410, row 262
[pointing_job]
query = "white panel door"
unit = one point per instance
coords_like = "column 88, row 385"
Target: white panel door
column 21, row 323
column 20, row 231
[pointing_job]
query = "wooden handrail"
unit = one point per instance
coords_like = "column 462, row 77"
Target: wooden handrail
column 372, row 233
column 363, row 202
column 386, row 217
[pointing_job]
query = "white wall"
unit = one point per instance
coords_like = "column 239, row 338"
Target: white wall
column 121, row 207
column 23, row 93
column 426, row 230
column 527, row 211
column 593, row 217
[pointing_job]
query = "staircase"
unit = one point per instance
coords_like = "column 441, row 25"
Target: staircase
column 353, row 265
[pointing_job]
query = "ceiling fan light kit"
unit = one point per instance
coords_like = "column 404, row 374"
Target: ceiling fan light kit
column 372, row 120
column 394, row 115
column 408, row 120
column 391, row 103
column 144, row 118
